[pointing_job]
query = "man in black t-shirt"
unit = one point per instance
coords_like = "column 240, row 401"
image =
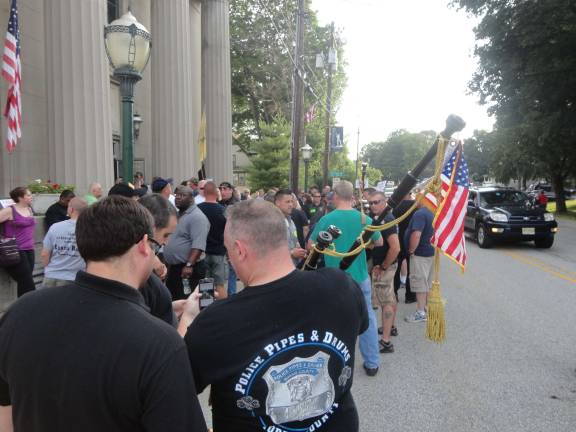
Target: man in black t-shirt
column 384, row 260
column 287, row 362
column 89, row 356
column 216, row 263
column 58, row 212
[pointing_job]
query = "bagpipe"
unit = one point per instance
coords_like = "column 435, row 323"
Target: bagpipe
column 325, row 239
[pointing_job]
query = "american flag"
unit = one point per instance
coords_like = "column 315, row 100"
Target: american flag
column 11, row 68
column 449, row 219
column 310, row 114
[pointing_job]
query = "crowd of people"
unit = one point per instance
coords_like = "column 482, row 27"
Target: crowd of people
column 114, row 339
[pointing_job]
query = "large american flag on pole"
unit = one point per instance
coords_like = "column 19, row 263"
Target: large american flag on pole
column 449, row 219
column 11, row 68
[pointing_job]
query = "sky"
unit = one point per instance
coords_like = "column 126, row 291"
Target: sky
column 409, row 64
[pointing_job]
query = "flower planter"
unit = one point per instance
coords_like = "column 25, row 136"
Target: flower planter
column 41, row 202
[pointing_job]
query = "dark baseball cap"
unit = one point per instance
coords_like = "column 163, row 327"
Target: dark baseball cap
column 123, row 189
column 227, row 185
column 159, row 183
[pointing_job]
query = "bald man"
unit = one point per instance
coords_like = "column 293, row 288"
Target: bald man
column 60, row 255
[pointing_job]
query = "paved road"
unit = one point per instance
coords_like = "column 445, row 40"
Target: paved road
column 509, row 362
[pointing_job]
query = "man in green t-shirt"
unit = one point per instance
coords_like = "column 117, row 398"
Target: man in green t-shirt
column 352, row 222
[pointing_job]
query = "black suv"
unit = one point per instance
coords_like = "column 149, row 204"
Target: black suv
column 496, row 213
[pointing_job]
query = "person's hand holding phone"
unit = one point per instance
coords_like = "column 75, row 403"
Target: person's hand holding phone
column 190, row 311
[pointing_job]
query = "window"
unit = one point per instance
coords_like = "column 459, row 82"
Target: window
column 113, row 10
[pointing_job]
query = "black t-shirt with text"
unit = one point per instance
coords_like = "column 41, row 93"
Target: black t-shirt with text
column 287, row 362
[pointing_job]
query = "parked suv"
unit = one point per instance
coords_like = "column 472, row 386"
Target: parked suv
column 496, row 213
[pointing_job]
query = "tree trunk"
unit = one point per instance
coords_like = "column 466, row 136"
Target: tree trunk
column 558, row 185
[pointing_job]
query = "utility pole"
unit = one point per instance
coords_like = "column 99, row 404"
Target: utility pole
column 297, row 99
column 331, row 66
column 357, row 151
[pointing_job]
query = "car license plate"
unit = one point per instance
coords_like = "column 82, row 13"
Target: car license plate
column 528, row 231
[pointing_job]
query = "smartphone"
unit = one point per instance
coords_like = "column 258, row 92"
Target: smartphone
column 206, row 291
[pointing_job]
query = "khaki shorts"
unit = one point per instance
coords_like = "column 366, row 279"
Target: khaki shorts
column 421, row 273
column 383, row 287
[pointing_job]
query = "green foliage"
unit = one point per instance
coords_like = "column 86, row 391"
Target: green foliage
column 39, row 186
column 261, row 36
column 527, row 77
column 399, row 153
column 270, row 164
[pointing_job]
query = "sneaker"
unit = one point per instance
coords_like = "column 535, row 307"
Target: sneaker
column 370, row 371
column 417, row 317
column 380, row 330
column 386, row 347
column 394, row 331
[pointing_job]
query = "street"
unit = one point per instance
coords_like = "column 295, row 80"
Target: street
column 508, row 363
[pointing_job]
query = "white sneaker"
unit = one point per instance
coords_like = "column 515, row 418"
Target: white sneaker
column 417, row 317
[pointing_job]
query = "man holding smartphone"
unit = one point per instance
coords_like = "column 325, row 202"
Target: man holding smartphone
column 295, row 372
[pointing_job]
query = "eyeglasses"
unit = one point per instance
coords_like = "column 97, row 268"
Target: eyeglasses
column 374, row 202
column 154, row 245
column 316, row 196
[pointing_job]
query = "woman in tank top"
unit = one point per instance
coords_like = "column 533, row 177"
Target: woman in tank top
column 18, row 222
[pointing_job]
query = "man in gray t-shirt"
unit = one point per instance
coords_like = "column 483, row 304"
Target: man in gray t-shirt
column 60, row 255
column 184, row 251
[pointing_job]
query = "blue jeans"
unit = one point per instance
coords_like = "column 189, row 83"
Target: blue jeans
column 231, row 280
column 369, row 339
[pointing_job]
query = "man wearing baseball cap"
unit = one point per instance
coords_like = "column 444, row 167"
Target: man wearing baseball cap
column 164, row 187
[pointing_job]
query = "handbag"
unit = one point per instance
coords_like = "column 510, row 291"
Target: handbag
column 9, row 253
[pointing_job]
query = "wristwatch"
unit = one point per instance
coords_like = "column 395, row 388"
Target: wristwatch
column 189, row 264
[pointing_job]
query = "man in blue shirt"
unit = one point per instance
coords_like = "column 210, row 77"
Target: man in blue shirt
column 421, row 256
column 60, row 255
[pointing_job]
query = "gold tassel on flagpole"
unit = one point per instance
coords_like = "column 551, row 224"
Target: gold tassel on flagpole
column 436, row 324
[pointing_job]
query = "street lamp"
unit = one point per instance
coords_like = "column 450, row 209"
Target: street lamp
column 306, row 156
column 127, row 45
column 137, row 120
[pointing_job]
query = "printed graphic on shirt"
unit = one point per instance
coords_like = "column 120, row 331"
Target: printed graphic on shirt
column 301, row 393
column 300, row 389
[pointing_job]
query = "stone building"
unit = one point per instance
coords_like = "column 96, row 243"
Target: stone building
column 71, row 103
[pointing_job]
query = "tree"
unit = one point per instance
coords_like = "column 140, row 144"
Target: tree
column 262, row 34
column 527, row 77
column 399, row 153
column 270, row 163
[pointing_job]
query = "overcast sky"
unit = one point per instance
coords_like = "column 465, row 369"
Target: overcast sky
column 409, row 62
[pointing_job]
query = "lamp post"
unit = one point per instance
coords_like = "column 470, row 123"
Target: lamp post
column 127, row 45
column 306, row 156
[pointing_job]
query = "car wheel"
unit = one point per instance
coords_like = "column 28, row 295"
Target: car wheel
column 544, row 243
column 484, row 241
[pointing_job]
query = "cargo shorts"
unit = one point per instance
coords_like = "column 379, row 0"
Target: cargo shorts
column 383, row 287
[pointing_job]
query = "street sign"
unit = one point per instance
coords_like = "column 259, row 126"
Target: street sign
column 337, row 139
column 336, row 174
column 335, row 181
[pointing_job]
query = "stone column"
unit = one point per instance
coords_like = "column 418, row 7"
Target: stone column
column 216, row 88
column 172, row 132
column 196, row 81
column 78, row 99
